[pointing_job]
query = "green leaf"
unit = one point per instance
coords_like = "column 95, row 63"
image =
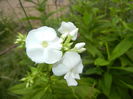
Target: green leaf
column 93, row 50
column 101, row 62
column 121, row 48
column 105, row 83
column 114, row 94
column 130, row 54
column 40, row 93
column 118, row 92
column 127, row 85
column 30, row 18
column 96, row 70
column 129, row 69
column 125, row 61
column 20, row 89
column 86, row 89
column 87, row 18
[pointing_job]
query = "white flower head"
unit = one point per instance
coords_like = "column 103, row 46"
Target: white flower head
column 68, row 28
column 43, row 45
column 70, row 66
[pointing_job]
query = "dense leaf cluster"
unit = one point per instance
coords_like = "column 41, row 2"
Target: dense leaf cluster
column 107, row 28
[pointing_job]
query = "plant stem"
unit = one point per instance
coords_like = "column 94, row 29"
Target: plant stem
column 107, row 49
column 68, row 39
column 21, row 4
column 108, row 53
column 50, row 80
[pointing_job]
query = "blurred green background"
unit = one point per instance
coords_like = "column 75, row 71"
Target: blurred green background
column 106, row 26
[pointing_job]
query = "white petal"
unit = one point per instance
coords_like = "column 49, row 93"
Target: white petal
column 76, row 76
column 66, row 27
column 31, row 39
column 35, row 54
column 46, row 34
column 71, row 59
column 70, row 80
column 51, row 56
column 78, row 69
column 74, row 34
column 80, row 45
column 56, row 44
column 68, row 62
column 36, row 36
column 59, row 69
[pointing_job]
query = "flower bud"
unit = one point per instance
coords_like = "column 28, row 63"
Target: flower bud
column 80, row 45
column 20, row 40
column 82, row 50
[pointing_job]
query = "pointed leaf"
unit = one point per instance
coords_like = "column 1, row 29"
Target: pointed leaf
column 121, row 48
column 101, row 62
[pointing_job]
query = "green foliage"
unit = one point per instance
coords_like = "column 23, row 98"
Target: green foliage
column 11, row 71
column 6, row 31
column 52, row 87
column 44, row 16
column 121, row 48
column 20, row 40
column 106, row 26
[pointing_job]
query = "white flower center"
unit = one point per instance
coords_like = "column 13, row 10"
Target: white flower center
column 45, row 44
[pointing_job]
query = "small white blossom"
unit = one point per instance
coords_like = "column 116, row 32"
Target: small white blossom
column 70, row 66
column 43, row 45
column 68, row 28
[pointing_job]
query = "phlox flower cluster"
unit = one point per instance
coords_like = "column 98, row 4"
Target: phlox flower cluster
column 44, row 46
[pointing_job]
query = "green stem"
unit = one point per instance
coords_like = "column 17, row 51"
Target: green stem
column 107, row 49
column 67, row 43
column 108, row 53
column 68, row 39
column 50, row 80
column 50, row 68
column 21, row 4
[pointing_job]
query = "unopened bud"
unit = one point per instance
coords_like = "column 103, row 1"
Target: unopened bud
column 82, row 50
column 80, row 45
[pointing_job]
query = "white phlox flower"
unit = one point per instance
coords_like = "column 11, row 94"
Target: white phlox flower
column 68, row 28
column 70, row 66
column 43, row 45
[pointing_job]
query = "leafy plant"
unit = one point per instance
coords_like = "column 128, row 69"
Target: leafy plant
column 6, row 31
column 10, row 70
column 44, row 16
column 106, row 27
